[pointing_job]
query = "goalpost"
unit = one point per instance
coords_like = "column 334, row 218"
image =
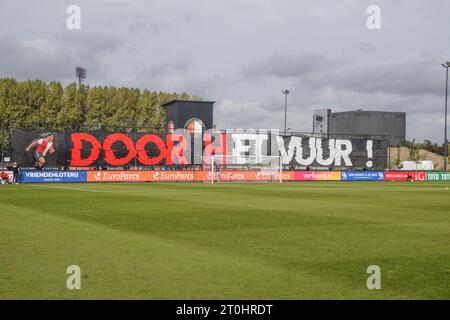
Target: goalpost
column 230, row 168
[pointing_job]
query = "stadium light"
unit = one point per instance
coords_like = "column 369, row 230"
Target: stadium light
column 446, row 66
column 285, row 92
column 81, row 73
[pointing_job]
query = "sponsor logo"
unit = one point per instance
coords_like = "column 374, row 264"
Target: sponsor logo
column 173, row 176
column 362, row 175
column 313, row 175
column 243, row 176
column 98, row 176
column 421, row 176
column 405, row 175
column 117, row 176
column 438, row 176
column 270, row 175
column 53, row 176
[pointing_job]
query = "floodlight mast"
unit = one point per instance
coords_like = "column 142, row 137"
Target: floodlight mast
column 446, row 66
column 285, row 92
column 81, row 73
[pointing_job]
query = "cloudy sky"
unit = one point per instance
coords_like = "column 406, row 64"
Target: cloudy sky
column 243, row 53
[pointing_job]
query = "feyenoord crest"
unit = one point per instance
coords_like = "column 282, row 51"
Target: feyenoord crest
column 194, row 125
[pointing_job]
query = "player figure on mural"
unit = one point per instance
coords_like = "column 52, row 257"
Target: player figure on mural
column 44, row 146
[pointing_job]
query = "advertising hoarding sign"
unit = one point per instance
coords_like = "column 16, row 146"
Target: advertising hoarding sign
column 52, row 176
column 405, row 175
column 362, row 175
column 317, row 176
column 192, row 176
column 438, row 176
column 140, row 176
column 176, row 176
column 230, row 176
column 118, row 176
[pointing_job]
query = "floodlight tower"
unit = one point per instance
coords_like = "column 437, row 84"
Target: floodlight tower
column 81, row 73
column 446, row 66
column 285, row 92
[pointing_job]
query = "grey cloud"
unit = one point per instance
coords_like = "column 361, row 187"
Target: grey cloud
column 424, row 112
column 406, row 78
column 250, row 115
column 91, row 43
column 141, row 24
column 367, row 48
column 176, row 66
column 53, row 58
column 315, row 71
column 280, row 65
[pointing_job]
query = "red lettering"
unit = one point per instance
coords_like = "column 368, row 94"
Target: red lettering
column 77, row 146
column 142, row 153
column 169, row 143
column 211, row 149
column 173, row 149
column 110, row 157
column 176, row 151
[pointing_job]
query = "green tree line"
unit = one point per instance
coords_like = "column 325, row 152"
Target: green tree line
column 414, row 146
column 35, row 104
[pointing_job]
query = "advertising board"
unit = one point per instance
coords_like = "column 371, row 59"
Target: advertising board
column 317, row 176
column 140, row 176
column 438, row 176
column 52, row 176
column 362, row 175
column 405, row 175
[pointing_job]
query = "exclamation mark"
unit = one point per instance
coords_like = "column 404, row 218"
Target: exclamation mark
column 369, row 145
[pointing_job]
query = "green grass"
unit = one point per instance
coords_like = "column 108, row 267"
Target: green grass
column 226, row 241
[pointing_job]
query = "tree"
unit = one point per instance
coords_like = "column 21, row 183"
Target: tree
column 71, row 114
column 95, row 115
column 147, row 117
column 37, row 105
column 52, row 106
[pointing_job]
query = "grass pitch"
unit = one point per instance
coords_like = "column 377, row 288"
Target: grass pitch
column 242, row 241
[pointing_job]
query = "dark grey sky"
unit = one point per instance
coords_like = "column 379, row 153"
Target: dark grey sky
column 242, row 53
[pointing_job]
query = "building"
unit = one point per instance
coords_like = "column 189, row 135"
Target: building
column 195, row 116
column 361, row 123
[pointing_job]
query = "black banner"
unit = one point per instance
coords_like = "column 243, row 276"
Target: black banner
column 97, row 149
column 319, row 152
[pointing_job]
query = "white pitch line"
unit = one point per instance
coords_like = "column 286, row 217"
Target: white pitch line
column 63, row 188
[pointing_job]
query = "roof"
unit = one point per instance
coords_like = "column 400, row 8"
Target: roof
column 369, row 111
column 189, row 101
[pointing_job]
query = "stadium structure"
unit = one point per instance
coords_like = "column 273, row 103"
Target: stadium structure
column 147, row 215
column 192, row 150
column 361, row 123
